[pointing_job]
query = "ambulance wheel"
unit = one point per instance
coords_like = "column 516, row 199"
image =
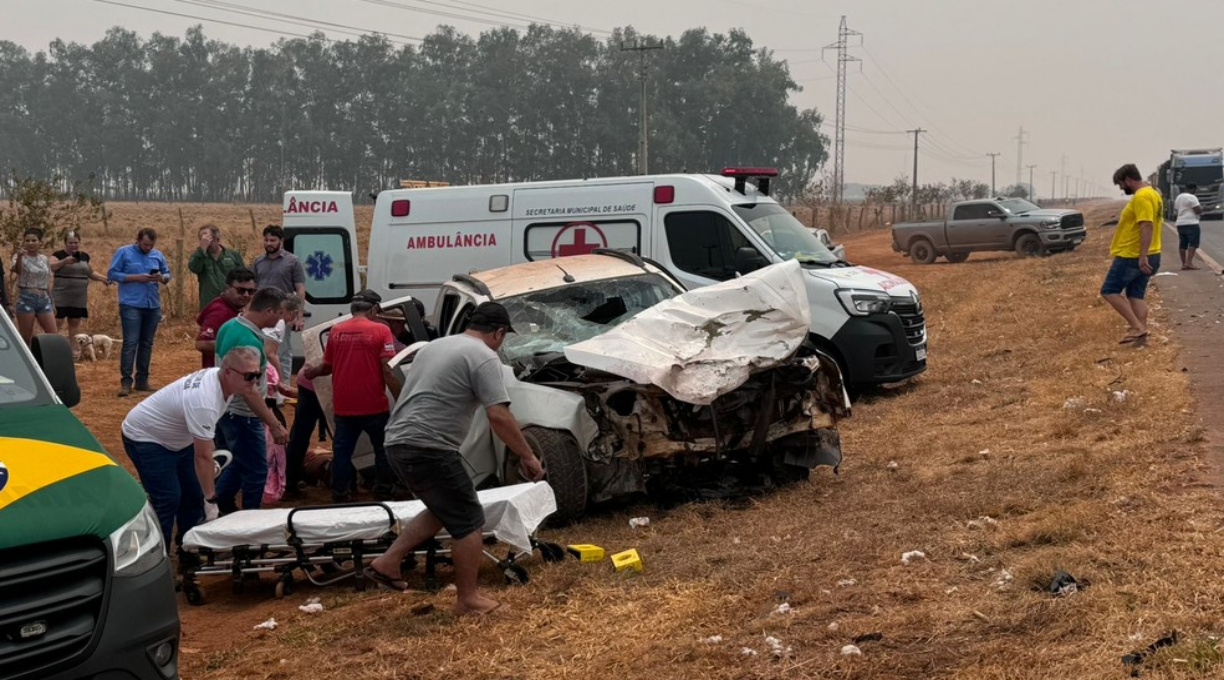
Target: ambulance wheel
column 194, row 595
column 957, row 257
column 922, row 252
column 516, row 575
column 563, row 470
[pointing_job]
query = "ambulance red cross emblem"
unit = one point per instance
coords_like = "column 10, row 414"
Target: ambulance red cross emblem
column 578, row 238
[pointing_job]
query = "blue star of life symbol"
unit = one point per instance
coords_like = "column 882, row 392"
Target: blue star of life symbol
column 319, row 265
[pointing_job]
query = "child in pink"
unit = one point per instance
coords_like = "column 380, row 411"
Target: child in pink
column 274, row 488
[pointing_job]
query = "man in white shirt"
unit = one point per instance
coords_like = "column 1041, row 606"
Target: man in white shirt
column 1188, row 232
column 169, row 438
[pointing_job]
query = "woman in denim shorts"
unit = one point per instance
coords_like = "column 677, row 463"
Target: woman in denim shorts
column 32, row 272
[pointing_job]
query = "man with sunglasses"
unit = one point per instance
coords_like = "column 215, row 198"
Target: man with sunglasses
column 169, row 439
column 242, row 427
column 239, row 287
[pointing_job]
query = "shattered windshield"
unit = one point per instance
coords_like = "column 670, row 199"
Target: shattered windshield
column 785, row 234
column 551, row 320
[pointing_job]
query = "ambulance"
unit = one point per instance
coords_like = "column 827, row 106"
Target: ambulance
column 700, row 228
column 86, row 589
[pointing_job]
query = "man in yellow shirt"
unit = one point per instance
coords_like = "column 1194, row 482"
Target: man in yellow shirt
column 1135, row 250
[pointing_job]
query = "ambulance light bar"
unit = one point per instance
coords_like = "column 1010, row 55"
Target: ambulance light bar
column 742, row 175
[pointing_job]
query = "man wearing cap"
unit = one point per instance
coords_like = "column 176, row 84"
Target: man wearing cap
column 356, row 356
column 395, row 319
column 449, row 379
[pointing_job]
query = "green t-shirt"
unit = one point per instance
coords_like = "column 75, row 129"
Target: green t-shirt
column 212, row 271
column 238, row 332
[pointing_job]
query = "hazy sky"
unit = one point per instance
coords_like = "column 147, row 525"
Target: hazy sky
column 1099, row 83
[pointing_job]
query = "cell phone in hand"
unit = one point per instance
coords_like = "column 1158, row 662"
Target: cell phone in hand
column 154, row 272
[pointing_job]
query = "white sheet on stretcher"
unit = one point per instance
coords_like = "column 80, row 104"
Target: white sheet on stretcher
column 512, row 514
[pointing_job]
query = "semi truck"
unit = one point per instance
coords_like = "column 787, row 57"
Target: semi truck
column 1203, row 168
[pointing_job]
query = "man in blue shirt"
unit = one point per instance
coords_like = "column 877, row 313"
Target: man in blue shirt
column 139, row 269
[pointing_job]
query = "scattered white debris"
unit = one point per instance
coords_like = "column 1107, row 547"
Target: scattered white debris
column 270, row 624
column 846, row 582
column 736, row 540
column 1135, row 637
column 783, row 608
column 1165, row 274
column 851, row 650
column 1121, row 396
column 951, row 590
column 912, row 555
column 748, row 651
column 775, row 645
column 775, row 539
column 636, row 522
column 984, row 452
column 311, row 608
column 1005, row 577
column 833, row 627
column 875, row 610
column 977, row 382
column 982, row 522
column 892, row 465
column 1092, row 411
column 971, row 559
column 1074, row 403
column 712, row 640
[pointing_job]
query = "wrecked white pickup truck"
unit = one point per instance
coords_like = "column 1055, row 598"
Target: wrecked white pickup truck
column 621, row 380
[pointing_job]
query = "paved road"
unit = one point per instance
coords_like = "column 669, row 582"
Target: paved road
column 1212, row 246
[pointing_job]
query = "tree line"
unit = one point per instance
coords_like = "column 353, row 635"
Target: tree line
column 191, row 118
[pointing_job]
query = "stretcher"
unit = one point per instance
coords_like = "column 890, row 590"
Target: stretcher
column 329, row 544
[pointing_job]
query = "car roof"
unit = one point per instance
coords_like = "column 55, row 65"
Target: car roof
column 528, row 277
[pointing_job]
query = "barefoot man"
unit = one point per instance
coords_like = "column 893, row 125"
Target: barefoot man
column 449, row 379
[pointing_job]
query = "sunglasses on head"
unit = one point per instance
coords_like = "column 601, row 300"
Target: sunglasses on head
column 249, row 377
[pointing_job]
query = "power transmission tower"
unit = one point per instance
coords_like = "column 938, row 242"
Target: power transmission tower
column 643, row 130
column 1032, row 189
column 839, row 124
column 993, row 156
column 914, row 190
column 1019, row 153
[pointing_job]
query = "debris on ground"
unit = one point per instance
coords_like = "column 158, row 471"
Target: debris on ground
column 1092, row 411
column 1073, row 403
column 270, row 624
column 1064, row 584
column 846, row 582
column 971, row 559
column 982, row 522
column 782, row 609
column 868, row 637
column 912, row 555
column 712, row 640
column 833, row 627
column 312, row 606
column 777, row 648
column 782, row 595
column 975, row 381
column 1004, row 578
column 748, row 651
column 892, row 465
column 1121, row 396
column 1135, row 658
column 851, row 650
column 951, row 590
column 635, row 522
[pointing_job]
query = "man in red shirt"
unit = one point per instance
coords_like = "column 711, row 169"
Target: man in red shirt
column 239, row 287
column 356, row 357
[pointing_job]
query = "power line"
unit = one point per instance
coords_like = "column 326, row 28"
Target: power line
column 493, row 11
column 296, row 20
column 199, row 18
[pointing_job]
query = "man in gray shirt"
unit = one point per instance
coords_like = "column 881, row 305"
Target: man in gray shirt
column 449, row 379
column 280, row 269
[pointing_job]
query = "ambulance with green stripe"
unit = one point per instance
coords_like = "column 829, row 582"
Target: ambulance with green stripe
column 86, row 589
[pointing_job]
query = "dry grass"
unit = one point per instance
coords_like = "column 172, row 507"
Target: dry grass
column 1112, row 494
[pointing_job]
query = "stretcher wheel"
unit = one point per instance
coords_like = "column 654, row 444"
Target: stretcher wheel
column 515, row 574
column 551, row 552
column 284, row 586
column 194, row 595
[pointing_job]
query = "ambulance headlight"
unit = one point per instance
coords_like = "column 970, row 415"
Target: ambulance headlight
column 863, row 302
column 138, row 545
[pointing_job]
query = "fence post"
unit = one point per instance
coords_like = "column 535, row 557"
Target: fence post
column 182, row 269
column 105, row 223
column 254, row 229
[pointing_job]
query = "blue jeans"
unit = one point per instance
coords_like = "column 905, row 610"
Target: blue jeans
column 344, row 442
column 169, row 478
column 1125, row 276
column 139, row 327
column 244, row 437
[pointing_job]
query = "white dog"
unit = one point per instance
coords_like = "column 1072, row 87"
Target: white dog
column 93, row 347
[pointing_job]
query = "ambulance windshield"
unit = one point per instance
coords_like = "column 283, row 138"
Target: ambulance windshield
column 785, row 234
column 551, row 320
column 19, row 382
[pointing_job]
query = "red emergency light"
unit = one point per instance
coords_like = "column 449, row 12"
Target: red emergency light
column 742, row 175
column 401, row 207
column 665, row 194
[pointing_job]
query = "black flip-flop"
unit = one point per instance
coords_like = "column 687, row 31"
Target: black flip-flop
column 383, row 580
column 1126, row 340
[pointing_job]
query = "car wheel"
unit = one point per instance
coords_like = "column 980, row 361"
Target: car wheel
column 922, row 252
column 957, row 257
column 564, row 470
column 1028, row 245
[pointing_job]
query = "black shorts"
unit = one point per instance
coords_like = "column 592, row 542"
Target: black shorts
column 439, row 479
column 71, row 313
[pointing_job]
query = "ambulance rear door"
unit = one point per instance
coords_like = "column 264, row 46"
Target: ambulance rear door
column 320, row 230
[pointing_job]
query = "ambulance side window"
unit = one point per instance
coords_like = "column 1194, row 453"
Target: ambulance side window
column 704, row 243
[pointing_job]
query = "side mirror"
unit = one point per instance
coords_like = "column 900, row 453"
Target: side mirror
column 54, row 357
column 996, row 213
column 748, row 260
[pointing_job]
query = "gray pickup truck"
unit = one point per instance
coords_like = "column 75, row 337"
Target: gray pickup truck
column 991, row 224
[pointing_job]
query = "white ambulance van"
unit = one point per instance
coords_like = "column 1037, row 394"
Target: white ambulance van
column 701, row 228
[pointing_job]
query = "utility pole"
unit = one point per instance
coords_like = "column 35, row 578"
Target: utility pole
column 1053, row 183
column 914, row 190
column 839, row 123
column 1063, row 171
column 1032, row 189
column 993, row 156
column 643, row 121
column 1019, row 153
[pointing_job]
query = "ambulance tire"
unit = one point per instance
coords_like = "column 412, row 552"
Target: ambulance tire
column 563, row 470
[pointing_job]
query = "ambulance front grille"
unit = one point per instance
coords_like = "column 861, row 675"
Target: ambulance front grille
column 51, row 596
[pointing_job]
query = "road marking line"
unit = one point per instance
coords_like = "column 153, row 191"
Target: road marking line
column 1211, row 262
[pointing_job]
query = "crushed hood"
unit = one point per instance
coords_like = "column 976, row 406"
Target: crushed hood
column 705, row 343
